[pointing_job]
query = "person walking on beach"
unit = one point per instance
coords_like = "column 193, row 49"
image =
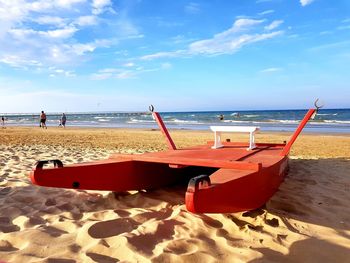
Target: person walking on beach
column 63, row 120
column 3, row 121
column 43, row 120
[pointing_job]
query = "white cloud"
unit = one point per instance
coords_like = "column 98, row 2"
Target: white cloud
column 58, row 33
column 305, row 2
column 192, row 8
column 47, row 5
column 80, row 49
column 100, row 6
column 45, row 31
column 19, row 62
column 50, row 20
column 270, row 70
column 122, row 73
column 244, row 23
column 218, row 46
column 226, row 42
column 129, row 64
column 172, row 54
column 67, row 3
column 267, row 12
column 86, row 21
column 274, row 25
column 54, row 72
column 108, row 73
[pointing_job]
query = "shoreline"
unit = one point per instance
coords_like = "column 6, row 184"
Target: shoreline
column 72, row 128
column 122, row 140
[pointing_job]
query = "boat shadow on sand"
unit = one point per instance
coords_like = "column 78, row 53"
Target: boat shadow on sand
column 310, row 204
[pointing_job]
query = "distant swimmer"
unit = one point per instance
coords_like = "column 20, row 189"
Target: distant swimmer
column 43, row 120
column 221, row 117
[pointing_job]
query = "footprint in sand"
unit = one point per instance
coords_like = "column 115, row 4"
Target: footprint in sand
column 15, row 158
column 6, row 225
column 179, row 247
column 75, row 248
column 281, row 238
column 50, row 202
column 101, row 258
column 272, row 222
column 212, row 222
column 254, row 213
column 60, row 260
column 228, row 237
column 6, row 246
column 112, row 227
column 122, row 213
column 238, row 222
column 34, row 221
column 52, row 231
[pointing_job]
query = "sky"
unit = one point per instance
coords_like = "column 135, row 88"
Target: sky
column 104, row 55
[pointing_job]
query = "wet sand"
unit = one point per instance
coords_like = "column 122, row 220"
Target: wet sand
column 307, row 220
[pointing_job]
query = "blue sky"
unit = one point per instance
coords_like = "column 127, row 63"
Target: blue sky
column 103, row 55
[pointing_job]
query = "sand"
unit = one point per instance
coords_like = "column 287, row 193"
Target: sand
column 307, row 220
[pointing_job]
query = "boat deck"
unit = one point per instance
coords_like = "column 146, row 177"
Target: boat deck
column 231, row 156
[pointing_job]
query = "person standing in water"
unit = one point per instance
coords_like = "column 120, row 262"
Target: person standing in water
column 43, row 120
column 63, row 120
column 3, row 121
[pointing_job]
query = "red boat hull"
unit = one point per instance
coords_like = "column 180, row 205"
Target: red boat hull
column 225, row 180
column 112, row 175
column 231, row 190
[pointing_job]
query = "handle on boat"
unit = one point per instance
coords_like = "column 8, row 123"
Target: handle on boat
column 56, row 163
column 193, row 184
column 317, row 108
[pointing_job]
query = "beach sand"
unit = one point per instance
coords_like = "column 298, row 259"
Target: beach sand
column 307, row 220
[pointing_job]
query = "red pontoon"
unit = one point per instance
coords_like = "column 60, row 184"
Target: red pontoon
column 221, row 180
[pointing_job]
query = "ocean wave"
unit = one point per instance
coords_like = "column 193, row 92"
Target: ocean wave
column 327, row 114
column 288, row 121
column 140, row 121
column 105, row 117
column 250, row 115
column 234, row 121
column 182, row 121
column 336, row 121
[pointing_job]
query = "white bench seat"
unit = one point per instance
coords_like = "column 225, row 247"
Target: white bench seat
column 219, row 129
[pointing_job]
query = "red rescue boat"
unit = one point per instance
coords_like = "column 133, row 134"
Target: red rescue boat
column 224, row 179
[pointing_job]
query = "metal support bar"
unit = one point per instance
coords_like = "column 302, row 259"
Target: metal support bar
column 169, row 140
column 301, row 126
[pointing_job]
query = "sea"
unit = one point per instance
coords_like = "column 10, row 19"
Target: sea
column 326, row 120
